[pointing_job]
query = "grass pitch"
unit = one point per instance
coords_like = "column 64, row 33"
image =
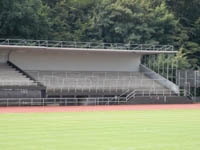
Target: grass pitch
column 120, row 130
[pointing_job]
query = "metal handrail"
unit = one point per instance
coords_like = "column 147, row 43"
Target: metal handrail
column 130, row 95
column 86, row 45
column 186, row 93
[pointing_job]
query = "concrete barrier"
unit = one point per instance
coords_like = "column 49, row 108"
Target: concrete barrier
column 163, row 81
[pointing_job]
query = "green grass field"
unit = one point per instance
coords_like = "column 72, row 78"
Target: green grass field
column 122, row 130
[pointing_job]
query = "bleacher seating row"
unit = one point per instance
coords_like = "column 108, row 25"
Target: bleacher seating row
column 81, row 81
column 95, row 80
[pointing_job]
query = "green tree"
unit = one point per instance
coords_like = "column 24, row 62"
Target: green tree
column 23, row 19
column 51, row 3
column 137, row 21
column 188, row 14
column 70, row 19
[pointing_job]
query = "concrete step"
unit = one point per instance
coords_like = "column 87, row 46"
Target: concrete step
column 14, row 77
column 10, row 76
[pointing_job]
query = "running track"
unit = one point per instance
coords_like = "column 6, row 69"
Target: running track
column 96, row 108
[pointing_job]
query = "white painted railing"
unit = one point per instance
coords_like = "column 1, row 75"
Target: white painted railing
column 60, row 101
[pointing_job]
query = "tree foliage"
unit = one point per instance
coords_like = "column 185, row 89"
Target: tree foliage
column 134, row 21
column 23, row 19
column 188, row 13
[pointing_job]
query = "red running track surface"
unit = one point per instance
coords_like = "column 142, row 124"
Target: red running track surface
column 34, row 109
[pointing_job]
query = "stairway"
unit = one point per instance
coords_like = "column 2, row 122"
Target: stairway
column 15, row 84
column 11, row 77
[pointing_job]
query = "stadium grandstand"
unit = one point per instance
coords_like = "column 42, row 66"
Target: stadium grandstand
column 36, row 72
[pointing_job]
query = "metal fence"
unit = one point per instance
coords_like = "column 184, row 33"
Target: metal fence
column 62, row 101
column 86, row 45
column 71, row 101
column 190, row 81
column 190, row 77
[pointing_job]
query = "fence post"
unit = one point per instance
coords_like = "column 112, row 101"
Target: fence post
column 61, row 44
column 43, row 101
column 31, row 101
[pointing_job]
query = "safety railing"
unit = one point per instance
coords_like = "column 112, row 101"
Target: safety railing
column 131, row 95
column 61, row 101
column 86, row 45
column 154, row 92
column 71, row 101
column 184, row 92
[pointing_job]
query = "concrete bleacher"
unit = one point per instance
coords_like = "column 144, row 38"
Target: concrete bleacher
column 11, row 77
column 96, row 82
column 84, row 87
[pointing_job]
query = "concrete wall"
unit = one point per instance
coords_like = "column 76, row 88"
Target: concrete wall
column 75, row 61
column 20, row 93
column 163, row 81
column 4, row 56
column 160, row 100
